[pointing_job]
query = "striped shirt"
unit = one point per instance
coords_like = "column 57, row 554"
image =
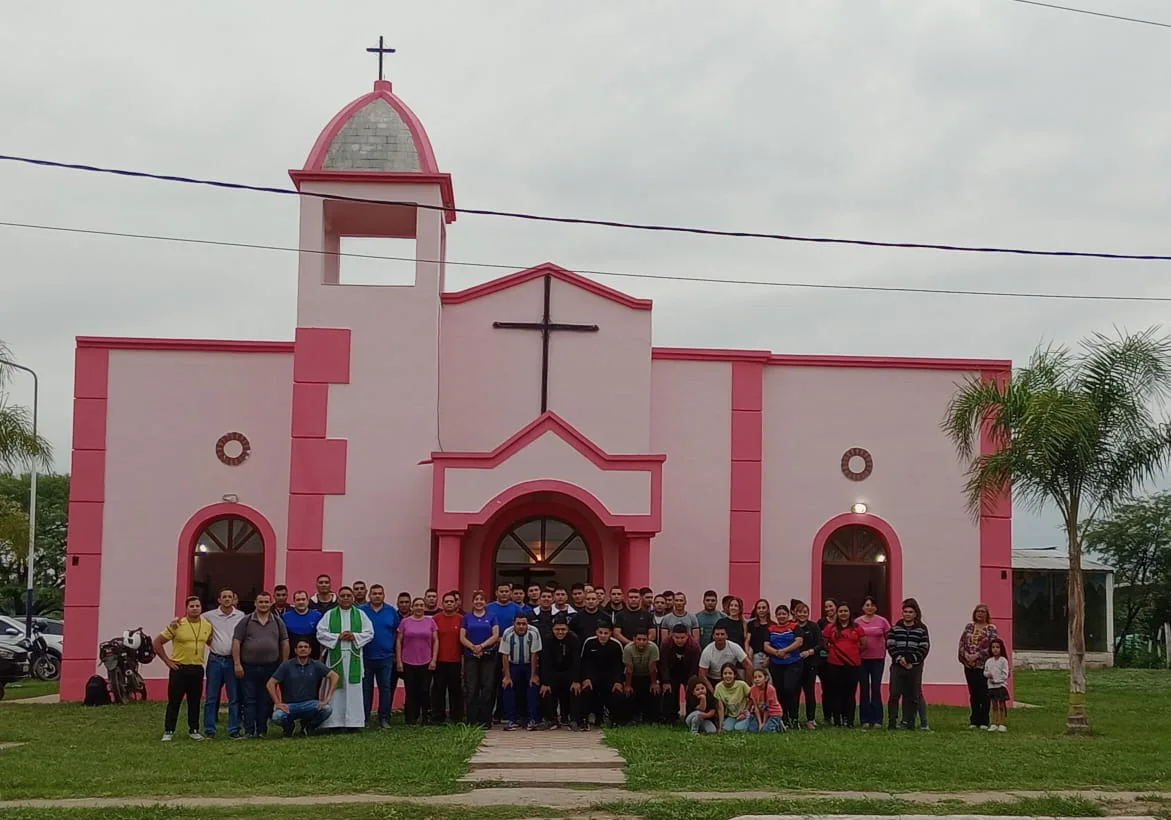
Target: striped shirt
column 520, row 648
column 910, row 642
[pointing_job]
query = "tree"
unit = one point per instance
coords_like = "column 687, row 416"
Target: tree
column 18, row 446
column 1136, row 541
column 52, row 528
column 1074, row 430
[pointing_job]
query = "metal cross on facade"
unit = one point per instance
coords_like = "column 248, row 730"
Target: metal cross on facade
column 546, row 326
column 380, row 51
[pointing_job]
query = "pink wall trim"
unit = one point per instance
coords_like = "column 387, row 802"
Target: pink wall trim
column 83, row 565
column 638, row 562
column 449, row 554
column 797, row 360
column 441, row 520
column 310, row 410
column 199, row 345
column 322, row 355
column 524, row 507
column 996, row 537
column 556, row 271
column 201, row 519
column 317, row 466
column 894, row 556
column 382, row 90
column 306, row 522
column 744, row 521
column 446, row 191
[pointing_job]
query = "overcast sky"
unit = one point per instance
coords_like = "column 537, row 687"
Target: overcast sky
column 982, row 122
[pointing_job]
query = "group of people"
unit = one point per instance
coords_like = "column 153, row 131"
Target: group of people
column 540, row 657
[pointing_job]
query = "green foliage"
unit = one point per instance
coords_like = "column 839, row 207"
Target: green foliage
column 18, row 446
column 1136, row 541
column 52, row 528
column 1078, row 431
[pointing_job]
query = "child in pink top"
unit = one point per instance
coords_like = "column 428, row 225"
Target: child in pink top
column 766, row 709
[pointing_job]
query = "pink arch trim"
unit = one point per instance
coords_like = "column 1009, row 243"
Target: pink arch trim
column 894, row 554
column 201, row 519
column 557, row 272
column 382, row 90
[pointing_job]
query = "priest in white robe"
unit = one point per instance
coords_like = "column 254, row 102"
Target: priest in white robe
column 343, row 631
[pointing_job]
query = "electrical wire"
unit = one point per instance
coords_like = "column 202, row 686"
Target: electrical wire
column 1095, row 13
column 604, row 223
column 587, row 272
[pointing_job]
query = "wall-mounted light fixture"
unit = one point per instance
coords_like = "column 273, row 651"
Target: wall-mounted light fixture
column 231, row 498
column 859, row 508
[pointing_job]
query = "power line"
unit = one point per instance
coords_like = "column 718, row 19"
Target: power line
column 1095, row 13
column 587, row 272
column 604, row 223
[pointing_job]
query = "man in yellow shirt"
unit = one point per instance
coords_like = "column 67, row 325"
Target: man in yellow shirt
column 189, row 637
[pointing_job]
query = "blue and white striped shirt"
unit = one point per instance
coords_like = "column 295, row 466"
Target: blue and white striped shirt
column 520, row 648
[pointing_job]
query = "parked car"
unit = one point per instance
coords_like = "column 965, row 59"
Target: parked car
column 14, row 656
column 45, row 649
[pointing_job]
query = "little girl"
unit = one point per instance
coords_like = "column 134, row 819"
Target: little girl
column 997, row 669
column 732, row 701
column 701, row 712
column 766, row 709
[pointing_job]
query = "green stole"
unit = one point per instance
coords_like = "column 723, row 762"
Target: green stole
column 335, row 653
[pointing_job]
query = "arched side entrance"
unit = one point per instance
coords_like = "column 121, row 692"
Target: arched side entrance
column 570, row 549
column 225, row 545
column 855, row 555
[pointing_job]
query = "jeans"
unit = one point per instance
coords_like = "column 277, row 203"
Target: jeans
column 380, row 673
column 771, row 724
column 257, row 703
column 417, row 680
column 733, row 725
column 698, row 724
column 524, row 692
column 977, row 696
column 184, row 682
column 480, row 687
column 447, row 696
column 905, row 684
column 307, row 710
column 870, row 706
column 221, row 672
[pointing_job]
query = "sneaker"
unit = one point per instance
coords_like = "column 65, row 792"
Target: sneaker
column 168, row 737
column 195, row 735
column 236, row 735
column 531, row 726
column 584, row 726
column 811, row 724
column 924, row 728
column 1002, row 728
column 509, row 726
column 974, row 726
column 384, row 724
column 990, row 728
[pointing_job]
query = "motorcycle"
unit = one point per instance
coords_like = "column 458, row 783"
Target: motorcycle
column 44, row 660
column 121, row 657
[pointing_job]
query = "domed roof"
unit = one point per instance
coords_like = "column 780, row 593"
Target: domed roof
column 375, row 133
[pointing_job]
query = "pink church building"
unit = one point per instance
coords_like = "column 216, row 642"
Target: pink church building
column 524, row 428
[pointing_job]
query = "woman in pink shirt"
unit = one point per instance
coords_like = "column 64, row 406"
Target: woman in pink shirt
column 416, row 656
column 874, row 627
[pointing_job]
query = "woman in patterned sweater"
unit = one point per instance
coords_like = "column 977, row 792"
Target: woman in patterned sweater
column 973, row 652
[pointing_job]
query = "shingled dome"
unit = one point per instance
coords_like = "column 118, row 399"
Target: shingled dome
column 375, row 133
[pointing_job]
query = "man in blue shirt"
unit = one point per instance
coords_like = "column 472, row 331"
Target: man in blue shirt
column 379, row 655
column 504, row 609
column 301, row 694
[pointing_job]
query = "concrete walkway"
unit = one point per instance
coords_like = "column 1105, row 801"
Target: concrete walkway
column 38, row 699
column 567, row 798
column 547, row 759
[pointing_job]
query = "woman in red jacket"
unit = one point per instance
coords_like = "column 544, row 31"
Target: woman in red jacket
column 844, row 641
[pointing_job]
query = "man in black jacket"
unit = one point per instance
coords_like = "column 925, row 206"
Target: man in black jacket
column 602, row 675
column 560, row 670
column 585, row 623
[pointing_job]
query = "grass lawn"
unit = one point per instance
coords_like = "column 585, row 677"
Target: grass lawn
column 1130, row 713
column 30, row 688
column 75, row 751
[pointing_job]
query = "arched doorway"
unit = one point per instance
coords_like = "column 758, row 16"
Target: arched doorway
column 856, row 563
column 542, row 550
column 228, row 552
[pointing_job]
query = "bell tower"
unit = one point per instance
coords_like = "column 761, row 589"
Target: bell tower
column 365, row 362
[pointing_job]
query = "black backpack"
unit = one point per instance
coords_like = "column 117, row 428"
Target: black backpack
column 97, row 693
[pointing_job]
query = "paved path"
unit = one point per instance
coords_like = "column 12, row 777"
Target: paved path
column 38, row 699
column 550, row 759
column 560, row 798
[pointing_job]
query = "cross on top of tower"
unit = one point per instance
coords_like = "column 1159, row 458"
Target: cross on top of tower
column 380, row 50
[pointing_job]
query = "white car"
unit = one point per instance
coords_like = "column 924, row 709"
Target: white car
column 52, row 631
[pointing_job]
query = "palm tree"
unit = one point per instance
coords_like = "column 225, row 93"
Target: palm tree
column 1081, row 431
column 18, row 446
